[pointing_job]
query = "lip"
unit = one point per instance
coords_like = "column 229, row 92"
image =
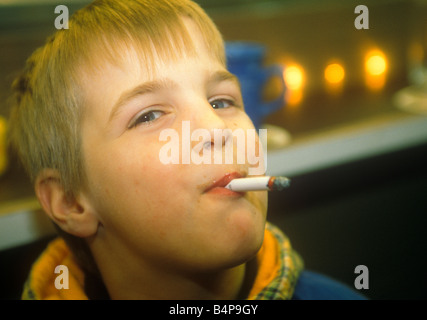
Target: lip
column 218, row 186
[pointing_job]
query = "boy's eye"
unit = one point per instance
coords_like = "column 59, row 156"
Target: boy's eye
column 146, row 117
column 221, row 103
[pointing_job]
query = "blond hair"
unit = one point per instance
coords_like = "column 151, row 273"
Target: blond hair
column 49, row 99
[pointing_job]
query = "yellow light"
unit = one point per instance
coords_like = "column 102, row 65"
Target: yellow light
column 375, row 69
column 294, row 77
column 375, row 63
column 293, row 97
column 334, row 73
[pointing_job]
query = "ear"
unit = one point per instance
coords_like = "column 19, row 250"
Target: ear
column 74, row 216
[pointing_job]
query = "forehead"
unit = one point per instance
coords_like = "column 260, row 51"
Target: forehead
column 183, row 39
column 147, row 60
column 134, row 68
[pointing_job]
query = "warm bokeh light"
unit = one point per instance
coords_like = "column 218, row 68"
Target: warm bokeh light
column 294, row 77
column 334, row 73
column 293, row 97
column 375, row 63
column 375, row 69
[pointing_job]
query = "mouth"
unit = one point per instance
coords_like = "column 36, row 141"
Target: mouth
column 218, row 186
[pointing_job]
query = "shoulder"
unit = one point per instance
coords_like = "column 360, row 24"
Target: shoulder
column 315, row 286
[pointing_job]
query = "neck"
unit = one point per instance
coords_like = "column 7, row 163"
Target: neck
column 142, row 281
column 152, row 283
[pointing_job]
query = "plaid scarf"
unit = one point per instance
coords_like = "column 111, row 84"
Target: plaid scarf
column 279, row 267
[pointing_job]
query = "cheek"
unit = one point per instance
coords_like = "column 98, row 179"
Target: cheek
column 259, row 199
column 125, row 192
column 131, row 175
column 242, row 121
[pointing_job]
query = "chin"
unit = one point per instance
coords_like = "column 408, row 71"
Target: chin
column 245, row 242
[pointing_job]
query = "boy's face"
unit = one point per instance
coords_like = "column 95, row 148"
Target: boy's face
column 165, row 214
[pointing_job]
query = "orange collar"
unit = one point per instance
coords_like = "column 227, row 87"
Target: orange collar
column 41, row 282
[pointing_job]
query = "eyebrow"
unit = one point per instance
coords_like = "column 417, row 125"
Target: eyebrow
column 161, row 84
column 145, row 88
column 221, row 76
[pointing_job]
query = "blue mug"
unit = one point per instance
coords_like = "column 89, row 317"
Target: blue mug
column 245, row 60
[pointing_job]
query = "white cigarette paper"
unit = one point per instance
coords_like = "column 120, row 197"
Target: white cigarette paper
column 258, row 184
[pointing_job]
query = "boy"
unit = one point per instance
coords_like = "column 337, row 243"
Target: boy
column 90, row 110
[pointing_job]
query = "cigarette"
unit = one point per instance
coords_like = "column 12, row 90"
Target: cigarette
column 259, row 184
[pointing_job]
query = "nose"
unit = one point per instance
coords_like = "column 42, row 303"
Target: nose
column 209, row 134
